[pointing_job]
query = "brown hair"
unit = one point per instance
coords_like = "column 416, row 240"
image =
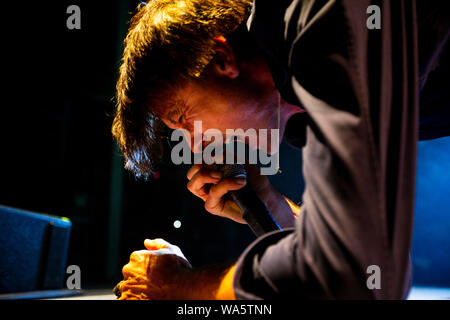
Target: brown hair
column 168, row 41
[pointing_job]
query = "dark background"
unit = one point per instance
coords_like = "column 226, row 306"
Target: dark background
column 58, row 155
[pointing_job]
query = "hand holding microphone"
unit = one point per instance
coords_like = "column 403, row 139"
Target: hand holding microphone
column 207, row 183
column 228, row 193
column 255, row 212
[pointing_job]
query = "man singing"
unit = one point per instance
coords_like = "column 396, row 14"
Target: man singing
column 349, row 95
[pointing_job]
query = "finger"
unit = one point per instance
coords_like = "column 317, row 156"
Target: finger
column 127, row 271
column 193, row 170
column 161, row 247
column 156, row 244
column 214, row 201
column 117, row 291
column 132, row 289
column 133, row 269
column 202, row 193
column 197, row 167
column 203, row 177
column 139, row 256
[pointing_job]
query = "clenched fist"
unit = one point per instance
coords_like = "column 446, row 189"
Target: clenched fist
column 155, row 273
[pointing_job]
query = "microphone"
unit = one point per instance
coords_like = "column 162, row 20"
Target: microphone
column 256, row 213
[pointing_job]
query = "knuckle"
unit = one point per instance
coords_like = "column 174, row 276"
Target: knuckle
column 209, row 206
column 133, row 256
column 195, row 182
column 219, row 189
column 203, row 174
column 191, row 172
column 191, row 186
column 126, row 270
column 213, row 195
column 211, row 210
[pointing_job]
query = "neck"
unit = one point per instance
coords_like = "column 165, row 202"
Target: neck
column 276, row 116
column 287, row 111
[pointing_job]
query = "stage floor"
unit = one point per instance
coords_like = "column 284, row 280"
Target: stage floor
column 416, row 293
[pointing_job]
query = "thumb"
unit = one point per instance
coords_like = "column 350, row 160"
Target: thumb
column 155, row 244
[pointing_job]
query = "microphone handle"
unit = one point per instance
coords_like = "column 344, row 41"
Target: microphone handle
column 256, row 213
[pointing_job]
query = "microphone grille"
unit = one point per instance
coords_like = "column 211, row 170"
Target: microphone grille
column 233, row 171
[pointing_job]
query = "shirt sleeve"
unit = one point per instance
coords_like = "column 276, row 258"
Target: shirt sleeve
column 360, row 89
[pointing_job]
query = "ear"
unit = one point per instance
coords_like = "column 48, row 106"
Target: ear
column 224, row 62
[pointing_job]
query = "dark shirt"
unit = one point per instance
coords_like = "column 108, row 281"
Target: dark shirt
column 361, row 90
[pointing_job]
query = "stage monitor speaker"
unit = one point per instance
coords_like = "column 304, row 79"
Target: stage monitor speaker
column 33, row 250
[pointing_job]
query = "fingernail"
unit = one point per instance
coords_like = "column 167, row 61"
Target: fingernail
column 216, row 174
column 116, row 290
column 240, row 181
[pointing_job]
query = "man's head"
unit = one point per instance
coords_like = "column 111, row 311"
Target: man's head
column 184, row 61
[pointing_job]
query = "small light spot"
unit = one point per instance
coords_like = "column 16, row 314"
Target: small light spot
column 177, row 224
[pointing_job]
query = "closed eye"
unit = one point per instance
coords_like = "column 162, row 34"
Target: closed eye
column 176, row 114
column 174, row 118
column 177, row 121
